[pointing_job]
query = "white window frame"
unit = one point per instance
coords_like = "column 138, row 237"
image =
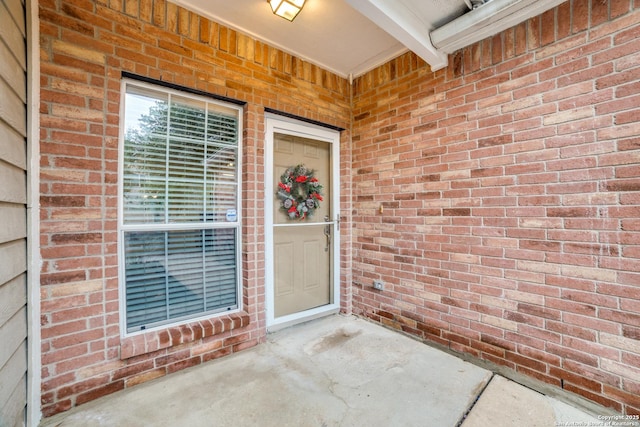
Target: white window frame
column 122, row 228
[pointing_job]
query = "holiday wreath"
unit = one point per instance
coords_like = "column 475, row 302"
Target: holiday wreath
column 299, row 192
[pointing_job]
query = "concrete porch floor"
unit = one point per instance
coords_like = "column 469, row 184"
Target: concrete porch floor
column 335, row 371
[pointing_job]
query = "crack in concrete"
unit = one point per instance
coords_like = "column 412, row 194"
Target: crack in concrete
column 478, row 395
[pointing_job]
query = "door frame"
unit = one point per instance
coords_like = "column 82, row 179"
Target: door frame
column 285, row 125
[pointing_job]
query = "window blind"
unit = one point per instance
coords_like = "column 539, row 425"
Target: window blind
column 171, row 275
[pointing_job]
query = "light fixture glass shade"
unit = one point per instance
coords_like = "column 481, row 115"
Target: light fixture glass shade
column 287, row 9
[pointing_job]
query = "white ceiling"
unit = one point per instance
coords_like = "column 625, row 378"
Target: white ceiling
column 336, row 36
column 350, row 37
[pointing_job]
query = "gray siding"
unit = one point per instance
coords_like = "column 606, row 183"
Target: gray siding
column 13, row 214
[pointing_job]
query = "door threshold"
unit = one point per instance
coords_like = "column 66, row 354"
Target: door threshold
column 306, row 316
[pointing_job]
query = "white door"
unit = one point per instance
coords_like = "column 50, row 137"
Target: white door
column 302, row 221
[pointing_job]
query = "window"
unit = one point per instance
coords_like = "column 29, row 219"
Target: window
column 179, row 228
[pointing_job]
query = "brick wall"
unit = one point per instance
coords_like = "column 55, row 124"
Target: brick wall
column 85, row 46
column 499, row 199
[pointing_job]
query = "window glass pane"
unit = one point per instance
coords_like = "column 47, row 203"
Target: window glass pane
column 186, row 202
column 146, row 278
column 188, row 118
column 144, row 200
column 222, row 129
column 185, row 258
column 220, row 268
column 221, row 163
column 222, row 199
column 171, row 275
column 221, row 181
column 177, row 155
column 146, row 109
column 186, row 160
column 145, row 156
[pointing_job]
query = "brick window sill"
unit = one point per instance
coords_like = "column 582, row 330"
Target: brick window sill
column 165, row 338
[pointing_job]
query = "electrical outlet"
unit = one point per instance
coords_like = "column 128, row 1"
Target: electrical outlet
column 378, row 284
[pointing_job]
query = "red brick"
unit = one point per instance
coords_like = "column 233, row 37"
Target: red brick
column 604, row 401
column 245, row 345
column 569, row 353
column 498, row 342
column 564, row 20
column 580, row 15
column 54, row 356
column 548, row 22
column 526, row 362
column 171, row 358
column 133, row 369
column 618, row 8
column 575, row 379
column 78, row 338
column 57, row 407
column 63, row 277
column 183, row 364
column 632, row 399
column 534, row 33
column 82, row 386
column 216, row 354
column 100, row 392
column 621, row 317
column 599, row 12
column 83, row 360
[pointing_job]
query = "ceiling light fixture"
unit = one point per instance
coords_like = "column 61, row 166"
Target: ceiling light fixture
column 287, row 9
